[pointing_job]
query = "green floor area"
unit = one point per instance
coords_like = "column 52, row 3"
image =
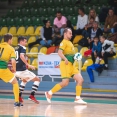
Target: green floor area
column 68, row 99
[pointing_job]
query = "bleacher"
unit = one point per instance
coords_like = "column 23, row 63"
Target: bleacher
column 27, row 19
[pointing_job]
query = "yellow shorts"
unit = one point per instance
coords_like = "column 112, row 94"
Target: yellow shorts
column 67, row 71
column 6, row 75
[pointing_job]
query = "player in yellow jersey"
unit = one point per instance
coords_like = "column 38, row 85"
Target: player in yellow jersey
column 66, row 53
column 8, row 53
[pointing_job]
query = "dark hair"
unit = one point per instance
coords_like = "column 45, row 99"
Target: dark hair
column 59, row 12
column 96, row 37
column 21, row 38
column 111, row 9
column 103, row 36
column 92, row 18
column 66, row 29
column 7, row 37
column 45, row 21
column 82, row 9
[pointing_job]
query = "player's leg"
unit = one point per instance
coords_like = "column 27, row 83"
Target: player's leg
column 79, row 82
column 56, row 88
column 35, row 86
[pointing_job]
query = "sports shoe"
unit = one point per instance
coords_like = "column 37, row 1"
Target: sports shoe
column 80, row 101
column 16, row 104
column 21, row 101
column 32, row 98
column 48, row 97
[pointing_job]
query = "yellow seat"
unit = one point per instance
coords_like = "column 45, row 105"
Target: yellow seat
column 2, row 40
column 27, row 49
column 3, row 31
column 114, row 57
column 76, row 64
column 115, row 45
column 75, row 27
column 37, row 31
column 76, row 49
column 34, row 63
column 29, row 61
column 12, row 30
column 75, row 45
column 43, row 50
column 21, row 31
column 15, row 41
column 30, row 30
column 102, row 62
column 33, row 52
column 116, row 49
column 77, row 39
column 87, row 63
column 83, row 50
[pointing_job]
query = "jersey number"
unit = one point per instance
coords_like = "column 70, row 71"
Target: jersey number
column 1, row 51
column 17, row 55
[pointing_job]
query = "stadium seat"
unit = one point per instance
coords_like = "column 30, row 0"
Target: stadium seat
column 34, row 3
column 52, row 11
column 3, row 22
column 31, row 39
column 43, row 12
column 3, row 31
column 10, row 13
column 102, row 62
column 83, row 50
column 42, row 3
column 35, row 12
column 98, row 9
column 2, row 40
column 18, row 12
column 63, row 10
column 14, row 41
column 21, row 31
column 37, row 31
column 77, row 39
column 25, row 4
column 50, row 3
column 76, row 49
column 76, row 64
column 36, row 21
column 27, row 49
column 29, row 31
column 28, row 22
column 70, row 11
column 58, row 3
column 87, row 9
column 103, row 2
column 87, row 63
column 11, row 22
column 43, row 50
column 26, row 12
column 35, row 63
column 12, row 30
column 73, row 20
column 19, row 22
column 29, row 61
column 33, row 52
column 67, row 2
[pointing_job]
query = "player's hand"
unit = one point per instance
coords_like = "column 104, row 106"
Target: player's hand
column 31, row 67
column 66, row 61
column 102, row 53
column 111, row 52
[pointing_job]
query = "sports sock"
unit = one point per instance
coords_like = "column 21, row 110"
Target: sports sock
column 56, row 88
column 22, row 86
column 78, row 91
column 106, row 65
column 35, row 87
column 16, row 92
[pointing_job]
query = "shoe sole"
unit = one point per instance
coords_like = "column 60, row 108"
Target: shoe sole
column 80, row 103
column 33, row 101
column 48, row 100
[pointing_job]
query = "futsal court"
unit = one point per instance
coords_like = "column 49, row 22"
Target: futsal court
column 60, row 107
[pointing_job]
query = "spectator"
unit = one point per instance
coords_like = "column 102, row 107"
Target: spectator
column 110, row 21
column 108, row 50
column 81, row 21
column 60, row 22
column 92, row 14
column 89, row 25
column 92, row 32
column 96, row 50
column 46, row 34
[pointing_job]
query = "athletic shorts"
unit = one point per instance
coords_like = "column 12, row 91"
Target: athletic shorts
column 6, row 75
column 68, row 71
column 27, row 75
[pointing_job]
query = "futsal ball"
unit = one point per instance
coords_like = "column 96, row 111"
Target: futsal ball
column 78, row 57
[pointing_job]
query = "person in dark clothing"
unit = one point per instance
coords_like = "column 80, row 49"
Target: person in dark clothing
column 96, row 50
column 92, row 32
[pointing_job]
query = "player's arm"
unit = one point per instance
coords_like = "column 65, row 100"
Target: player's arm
column 13, row 62
column 22, row 57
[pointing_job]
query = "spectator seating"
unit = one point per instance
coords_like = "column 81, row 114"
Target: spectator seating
column 3, row 31
column 21, row 31
column 14, row 41
column 34, row 63
column 33, row 51
column 43, row 50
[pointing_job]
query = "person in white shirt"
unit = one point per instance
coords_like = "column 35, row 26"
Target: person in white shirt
column 108, row 50
column 82, row 21
column 92, row 13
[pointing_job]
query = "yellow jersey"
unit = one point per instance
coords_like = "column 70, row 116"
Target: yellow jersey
column 6, row 53
column 68, row 49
